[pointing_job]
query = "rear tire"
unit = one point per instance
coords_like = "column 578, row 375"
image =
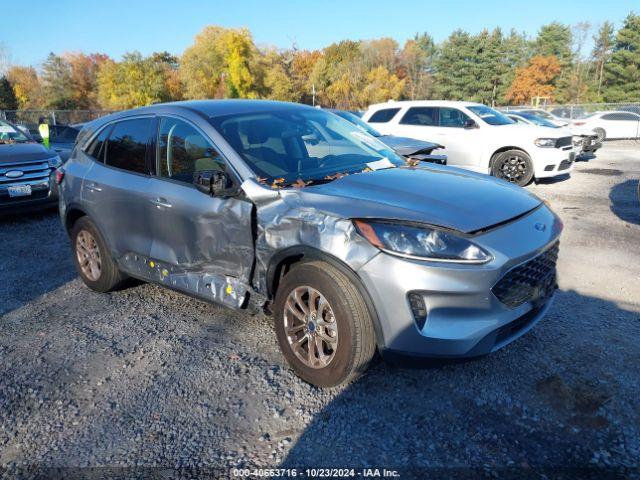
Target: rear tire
column 92, row 258
column 513, row 166
column 317, row 301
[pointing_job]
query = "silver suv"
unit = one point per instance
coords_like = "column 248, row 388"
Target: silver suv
column 294, row 211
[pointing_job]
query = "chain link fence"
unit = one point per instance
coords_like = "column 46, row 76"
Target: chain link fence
column 30, row 118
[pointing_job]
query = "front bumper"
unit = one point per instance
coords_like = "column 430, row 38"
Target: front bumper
column 550, row 162
column 44, row 195
column 464, row 318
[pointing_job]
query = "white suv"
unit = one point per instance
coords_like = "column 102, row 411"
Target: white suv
column 478, row 138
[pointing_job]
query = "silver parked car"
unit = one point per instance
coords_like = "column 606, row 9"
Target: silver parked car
column 283, row 207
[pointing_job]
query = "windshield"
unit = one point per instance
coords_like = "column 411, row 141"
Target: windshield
column 539, row 113
column 491, row 116
column 543, row 122
column 11, row 134
column 350, row 117
column 310, row 145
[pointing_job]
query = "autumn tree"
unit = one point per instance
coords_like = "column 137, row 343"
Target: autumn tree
column 170, row 66
column 134, row 82
column 26, row 86
column 380, row 85
column 218, row 63
column 622, row 72
column 534, row 80
column 84, row 78
column 416, row 59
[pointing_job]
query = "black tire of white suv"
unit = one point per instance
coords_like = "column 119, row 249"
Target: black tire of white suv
column 323, row 325
column 514, row 166
column 92, row 258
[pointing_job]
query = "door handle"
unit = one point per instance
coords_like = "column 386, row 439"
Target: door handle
column 161, row 202
column 94, row 187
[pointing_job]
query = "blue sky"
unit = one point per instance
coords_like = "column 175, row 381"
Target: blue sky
column 117, row 26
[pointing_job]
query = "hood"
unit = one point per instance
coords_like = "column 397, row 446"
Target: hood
column 406, row 146
column 436, row 195
column 23, row 152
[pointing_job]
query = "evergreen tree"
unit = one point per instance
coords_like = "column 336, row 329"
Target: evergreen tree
column 8, row 100
column 622, row 72
column 57, row 83
column 602, row 49
column 455, row 69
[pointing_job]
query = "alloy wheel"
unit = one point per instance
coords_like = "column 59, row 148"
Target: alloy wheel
column 310, row 327
column 88, row 254
column 513, row 168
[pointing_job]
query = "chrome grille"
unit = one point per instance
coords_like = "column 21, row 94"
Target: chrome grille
column 33, row 172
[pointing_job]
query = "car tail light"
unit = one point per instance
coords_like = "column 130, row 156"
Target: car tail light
column 59, row 176
column 578, row 123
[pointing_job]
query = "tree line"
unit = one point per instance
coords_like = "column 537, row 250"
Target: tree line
column 492, row 67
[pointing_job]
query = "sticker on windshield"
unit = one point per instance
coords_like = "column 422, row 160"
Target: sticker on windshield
column 6, row 129
column 380, row 164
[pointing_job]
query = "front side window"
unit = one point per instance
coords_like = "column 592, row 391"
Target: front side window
column 490, row 116
column 452, row 117
column 302, row 144
column 422, row 116
column 127, row 145
column 383, row 116
column 619, row 116
column 183, row 151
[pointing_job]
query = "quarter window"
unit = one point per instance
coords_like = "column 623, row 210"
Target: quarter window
column 127, row 145
column 183, row 151
column 95, row 148
column 384, row 115
column 422, row 116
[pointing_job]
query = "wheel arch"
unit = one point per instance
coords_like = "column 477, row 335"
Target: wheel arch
column 504, row 149
column 284, row 260
column 72, row 215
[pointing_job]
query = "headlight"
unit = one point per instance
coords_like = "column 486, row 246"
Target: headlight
column 545, row 142
column 421, row 242
column 54, row 162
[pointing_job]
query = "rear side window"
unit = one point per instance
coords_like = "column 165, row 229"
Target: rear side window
column 127, row 145
column 183, row 150
column 95, row 148
column 62, row 134
column 384, row 115
column 423, row 116
column 620, row 116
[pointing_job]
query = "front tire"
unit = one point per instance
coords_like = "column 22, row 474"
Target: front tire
column 601, row 133
column 92, row 258
column 514, row 166
column 323, row 325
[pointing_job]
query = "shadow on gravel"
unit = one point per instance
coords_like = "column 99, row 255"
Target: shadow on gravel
column 552, row 180
column 35, row 258
column 625, row 203
column 556, row 402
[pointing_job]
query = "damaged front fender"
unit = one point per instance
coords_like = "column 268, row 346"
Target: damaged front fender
column 285, row 221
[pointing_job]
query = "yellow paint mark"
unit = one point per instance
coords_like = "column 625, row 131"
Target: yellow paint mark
column 229, row 289
column 165, row 272
column 152, row 264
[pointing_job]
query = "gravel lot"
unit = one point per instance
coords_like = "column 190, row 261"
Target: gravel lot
column 146, row 377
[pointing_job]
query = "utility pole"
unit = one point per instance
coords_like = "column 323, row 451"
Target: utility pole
column 313, row 94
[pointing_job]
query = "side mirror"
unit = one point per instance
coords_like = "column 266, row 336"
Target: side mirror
column 215, row 183
column 469, row 123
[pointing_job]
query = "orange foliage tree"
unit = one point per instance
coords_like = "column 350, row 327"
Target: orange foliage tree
column 534, row 80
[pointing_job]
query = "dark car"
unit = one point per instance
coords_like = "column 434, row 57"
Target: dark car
column 27, row 171
column 62, row 138
column 405, row 146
